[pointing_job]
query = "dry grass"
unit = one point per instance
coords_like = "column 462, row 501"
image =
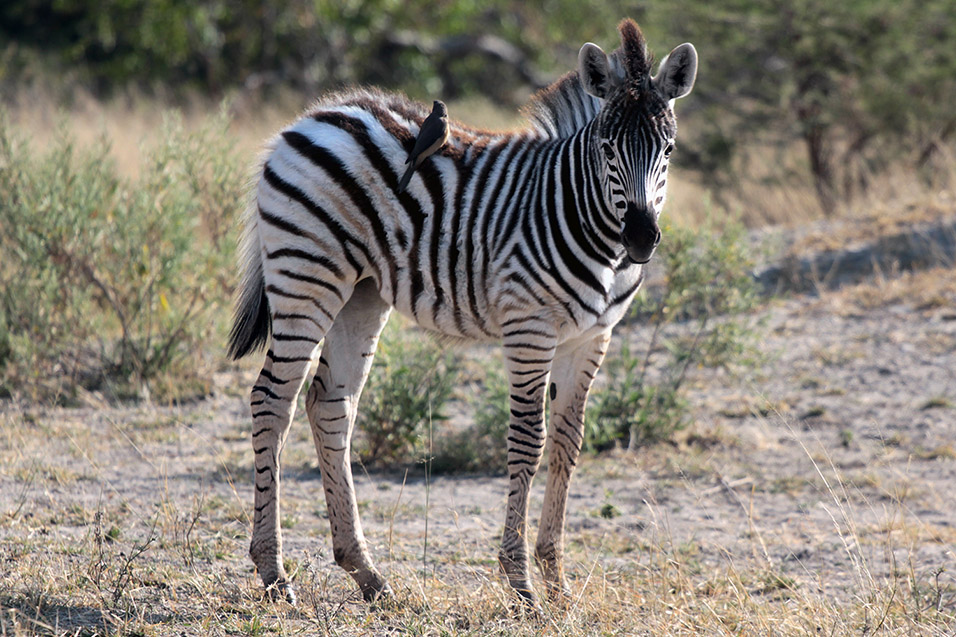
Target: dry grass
column 129, row 123
column 147, row 535
column 929, row 291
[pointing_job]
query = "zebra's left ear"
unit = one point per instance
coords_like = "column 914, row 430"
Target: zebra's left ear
column 677, row 72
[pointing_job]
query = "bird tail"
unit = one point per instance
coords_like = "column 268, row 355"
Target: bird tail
column 406, row 177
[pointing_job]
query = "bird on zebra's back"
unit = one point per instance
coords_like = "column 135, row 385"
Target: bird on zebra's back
column 432, row 136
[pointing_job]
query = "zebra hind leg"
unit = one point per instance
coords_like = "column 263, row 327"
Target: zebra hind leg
column 332, row 403
column 571, row 377
column 294, row 342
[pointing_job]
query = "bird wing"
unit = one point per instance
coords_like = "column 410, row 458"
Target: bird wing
column 427, row 134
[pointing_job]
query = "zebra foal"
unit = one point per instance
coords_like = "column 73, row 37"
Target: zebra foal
column 535, row 239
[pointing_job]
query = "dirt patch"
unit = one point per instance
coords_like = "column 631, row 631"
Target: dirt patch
column 833, row 461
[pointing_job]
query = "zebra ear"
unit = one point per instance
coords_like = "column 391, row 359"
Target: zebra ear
column 677, row 72
column 594, row 70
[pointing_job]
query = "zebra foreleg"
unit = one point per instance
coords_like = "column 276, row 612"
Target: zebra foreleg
column 571, row 377
column 331, row 403
column 273, row 406
column 528, row 358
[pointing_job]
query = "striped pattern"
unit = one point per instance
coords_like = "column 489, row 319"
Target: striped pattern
column 512, row 237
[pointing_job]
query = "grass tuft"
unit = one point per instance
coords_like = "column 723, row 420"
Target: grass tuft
column 110, row 283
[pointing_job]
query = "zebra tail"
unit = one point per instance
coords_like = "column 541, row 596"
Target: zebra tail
column 252, row 320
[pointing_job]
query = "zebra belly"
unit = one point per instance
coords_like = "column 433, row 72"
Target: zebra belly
column 441, row 308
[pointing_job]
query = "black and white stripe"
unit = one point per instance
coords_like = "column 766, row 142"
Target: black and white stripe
column 513, row 237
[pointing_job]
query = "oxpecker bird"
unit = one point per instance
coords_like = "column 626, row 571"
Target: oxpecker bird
column 432, row 136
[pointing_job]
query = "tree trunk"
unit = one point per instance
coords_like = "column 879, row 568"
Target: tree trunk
column 821, row 166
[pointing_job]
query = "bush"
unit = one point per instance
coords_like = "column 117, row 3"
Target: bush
column 708, row 289
column 482, row 446
column 108, row 282
column 408, row 388
column 629, row 411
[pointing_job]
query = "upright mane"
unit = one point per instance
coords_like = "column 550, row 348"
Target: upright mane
column 562, row 109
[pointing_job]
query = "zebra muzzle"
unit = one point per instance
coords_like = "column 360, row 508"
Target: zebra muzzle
column 641, row 234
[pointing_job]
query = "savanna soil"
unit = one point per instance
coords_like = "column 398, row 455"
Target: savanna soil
column 829, row 467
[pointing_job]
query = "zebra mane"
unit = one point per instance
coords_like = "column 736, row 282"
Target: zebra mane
column 562, row 109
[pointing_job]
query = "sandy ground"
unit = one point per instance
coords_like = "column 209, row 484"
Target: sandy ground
column 830, row 464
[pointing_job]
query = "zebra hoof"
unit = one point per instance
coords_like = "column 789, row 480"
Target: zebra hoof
column 377, row 591
column 527, row 604
column 281, row 590
column 559, row 595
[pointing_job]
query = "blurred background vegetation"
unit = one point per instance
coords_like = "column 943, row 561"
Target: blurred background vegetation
column 119, row 219
column 838, row 91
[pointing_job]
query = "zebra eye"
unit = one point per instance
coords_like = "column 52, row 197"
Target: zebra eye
column 668, row 150
column 608, row 153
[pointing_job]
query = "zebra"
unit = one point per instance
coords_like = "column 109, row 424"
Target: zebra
column 534, row 238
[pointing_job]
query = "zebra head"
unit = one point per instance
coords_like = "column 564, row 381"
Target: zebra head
column 634, row 131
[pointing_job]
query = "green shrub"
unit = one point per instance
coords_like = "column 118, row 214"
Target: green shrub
column 111, row 283
column 408, row 388
column 631, row 411
column 482, row 446
column 708, row 289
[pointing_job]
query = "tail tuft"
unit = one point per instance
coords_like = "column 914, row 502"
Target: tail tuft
column 252, row 322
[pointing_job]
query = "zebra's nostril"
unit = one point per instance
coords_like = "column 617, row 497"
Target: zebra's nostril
column 657, row 238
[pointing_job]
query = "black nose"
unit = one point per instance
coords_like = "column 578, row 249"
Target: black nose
column 641, row 234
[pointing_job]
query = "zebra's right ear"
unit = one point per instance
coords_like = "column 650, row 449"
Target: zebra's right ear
column 594, row 70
